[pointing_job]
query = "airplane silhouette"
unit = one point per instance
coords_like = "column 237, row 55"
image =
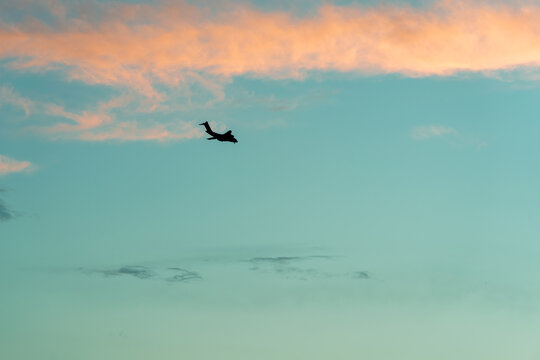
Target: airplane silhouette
column 228, row 136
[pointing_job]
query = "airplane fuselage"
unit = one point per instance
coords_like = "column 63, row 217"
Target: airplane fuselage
column 225, row 137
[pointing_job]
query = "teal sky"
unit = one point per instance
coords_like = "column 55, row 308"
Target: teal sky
column 374, row 207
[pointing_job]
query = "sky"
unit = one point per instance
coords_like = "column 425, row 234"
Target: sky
column 381, row 201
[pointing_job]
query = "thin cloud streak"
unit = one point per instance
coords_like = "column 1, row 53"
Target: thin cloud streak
column 130, row 131
column 139, row 46
column 302, row 267
column 169, row 274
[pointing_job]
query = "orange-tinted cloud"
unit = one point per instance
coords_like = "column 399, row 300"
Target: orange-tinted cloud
column 8, row 165
column 101, row 125
column 150, row 49
column 141, row 45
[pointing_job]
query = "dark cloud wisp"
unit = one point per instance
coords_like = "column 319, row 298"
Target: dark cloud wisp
column 140, row 272
column 169, row 274
column 180, row 275
column 6, row 213
column 303, row 267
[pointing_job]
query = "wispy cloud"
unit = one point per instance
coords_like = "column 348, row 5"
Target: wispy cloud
column 131, row 131
column 168, row 274
column 140, row 272
column 451, row 136
column 429, row 131
column 181, row 275
column 9, row 165
column 101, row 123
column 302, row 267
column 9, row 96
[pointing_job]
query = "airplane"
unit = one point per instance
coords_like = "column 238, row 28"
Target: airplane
column 228, row 136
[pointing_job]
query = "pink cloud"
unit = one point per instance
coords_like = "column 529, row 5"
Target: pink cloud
column 8, row 165
column 138, row 45
column 147, row 50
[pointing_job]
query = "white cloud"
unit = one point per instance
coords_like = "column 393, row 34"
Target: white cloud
column 429, row 131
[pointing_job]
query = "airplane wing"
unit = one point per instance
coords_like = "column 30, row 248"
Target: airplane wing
column 230, row 137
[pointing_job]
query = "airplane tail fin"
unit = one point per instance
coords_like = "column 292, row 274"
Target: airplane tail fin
column 207, row 127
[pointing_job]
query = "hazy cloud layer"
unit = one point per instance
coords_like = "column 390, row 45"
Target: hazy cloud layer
column 289, row 267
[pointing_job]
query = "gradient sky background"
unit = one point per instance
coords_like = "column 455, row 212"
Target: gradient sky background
column 382, row 201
